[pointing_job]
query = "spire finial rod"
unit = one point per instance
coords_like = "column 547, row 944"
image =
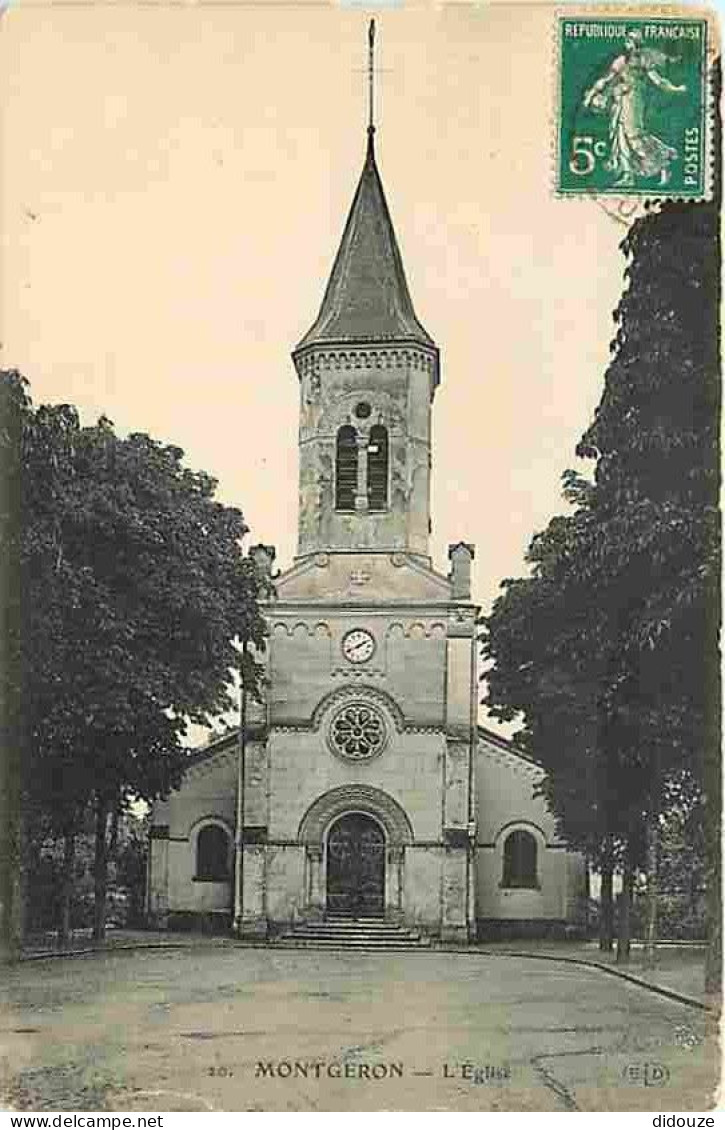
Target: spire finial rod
column 371, row 78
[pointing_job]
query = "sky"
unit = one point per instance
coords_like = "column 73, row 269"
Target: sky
column 175, row 183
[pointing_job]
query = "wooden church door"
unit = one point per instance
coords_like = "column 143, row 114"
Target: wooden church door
column 356, row 867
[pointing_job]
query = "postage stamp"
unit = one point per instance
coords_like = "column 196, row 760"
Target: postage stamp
column 632, row 112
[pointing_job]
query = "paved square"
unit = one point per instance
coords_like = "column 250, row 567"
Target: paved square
column 220, row 1027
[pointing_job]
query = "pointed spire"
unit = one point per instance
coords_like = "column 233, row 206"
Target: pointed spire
column 367, row 297
column 371, row 78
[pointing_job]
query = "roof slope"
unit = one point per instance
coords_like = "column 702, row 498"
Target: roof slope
column 367, row 297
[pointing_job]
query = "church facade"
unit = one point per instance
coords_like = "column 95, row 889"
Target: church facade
column 367, row 789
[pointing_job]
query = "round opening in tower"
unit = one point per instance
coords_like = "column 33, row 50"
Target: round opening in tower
column 362, row 410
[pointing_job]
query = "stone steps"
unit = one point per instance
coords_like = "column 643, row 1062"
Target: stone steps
column 345, row 933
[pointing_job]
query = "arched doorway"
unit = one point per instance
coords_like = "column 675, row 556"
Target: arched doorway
column 356, row 866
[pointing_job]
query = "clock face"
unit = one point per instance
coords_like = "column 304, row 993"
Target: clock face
column 358, row 645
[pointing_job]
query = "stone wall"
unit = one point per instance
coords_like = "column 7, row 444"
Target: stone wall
column 207, row 795
column 397, row 384
column 302, row 768
column 505, row 800
column 409, row 662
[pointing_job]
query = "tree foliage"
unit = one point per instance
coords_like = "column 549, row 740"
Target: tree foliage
column 12, row 402
column 134, row 590
column 126, row 878
column 609, row 648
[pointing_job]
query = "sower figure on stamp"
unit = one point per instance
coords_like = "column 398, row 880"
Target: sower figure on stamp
column 623, row 91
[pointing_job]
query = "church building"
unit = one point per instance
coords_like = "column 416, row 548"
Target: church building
column 367, row 789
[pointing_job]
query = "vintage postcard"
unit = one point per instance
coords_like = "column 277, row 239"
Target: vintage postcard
column 359, row 484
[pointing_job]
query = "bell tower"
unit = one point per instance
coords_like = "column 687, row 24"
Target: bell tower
column 368, row 371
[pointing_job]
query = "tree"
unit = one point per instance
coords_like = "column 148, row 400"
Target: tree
column 610, row 647
column 131, row 866
column 134, row 590
column 552, row 641
column 126, row 878
column 12, row 407
column 681, row 876
column 656, row 440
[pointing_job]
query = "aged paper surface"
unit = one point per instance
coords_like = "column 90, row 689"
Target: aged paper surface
column 415, row 932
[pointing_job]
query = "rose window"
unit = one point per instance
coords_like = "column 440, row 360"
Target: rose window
column 357, row 731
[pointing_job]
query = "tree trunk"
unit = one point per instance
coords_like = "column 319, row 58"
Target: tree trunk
column 650, row 926
column 713, row 954
column 23, row 907
column 66, row 894
column 713, row 842
column 13, row 755
column 606, row 904
column 113, row 838
column 10, row 933
column 624, row 918
column 100, row 870
column 14, row 878
column 713, row 689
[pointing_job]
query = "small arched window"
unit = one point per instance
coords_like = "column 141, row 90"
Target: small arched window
column 346, row 468
column 212, row 854
column 519, row 860
column 378, row 468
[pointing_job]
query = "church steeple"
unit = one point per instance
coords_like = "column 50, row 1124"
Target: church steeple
column 367, row 297
column 368, row 371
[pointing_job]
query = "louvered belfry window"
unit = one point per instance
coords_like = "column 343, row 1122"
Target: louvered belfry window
column 346, row 469
column 378, row 468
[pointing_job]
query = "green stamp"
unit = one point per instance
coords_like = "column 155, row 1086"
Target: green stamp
column 633, row 107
